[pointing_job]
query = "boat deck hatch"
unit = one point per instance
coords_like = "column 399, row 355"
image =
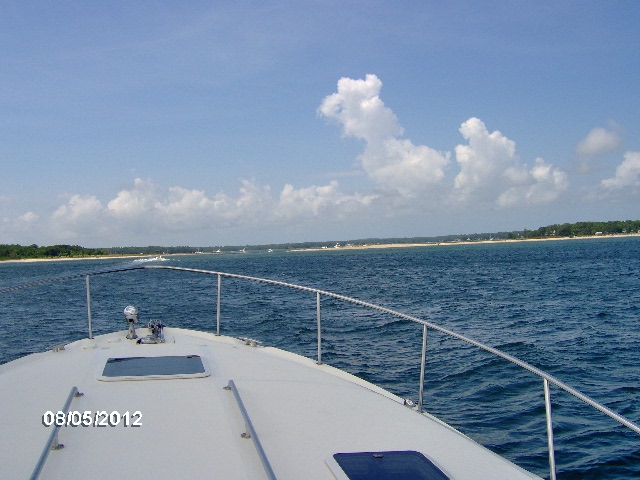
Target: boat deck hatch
column 153, row 368
column 408, row 465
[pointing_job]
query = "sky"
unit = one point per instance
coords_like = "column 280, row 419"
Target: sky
column 255, row 122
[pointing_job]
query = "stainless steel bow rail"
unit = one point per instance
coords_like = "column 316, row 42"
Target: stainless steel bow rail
column 546, row 378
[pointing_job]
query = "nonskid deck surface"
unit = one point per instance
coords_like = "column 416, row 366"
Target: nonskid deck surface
column 303, row 414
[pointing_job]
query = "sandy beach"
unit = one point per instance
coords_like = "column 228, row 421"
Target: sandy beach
column 462, row 242
column 67, row 259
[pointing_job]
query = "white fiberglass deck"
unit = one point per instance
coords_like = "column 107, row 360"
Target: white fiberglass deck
column 303, row 413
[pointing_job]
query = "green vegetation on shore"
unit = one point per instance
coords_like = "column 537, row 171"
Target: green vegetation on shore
column 18, row 252
column 565, row 230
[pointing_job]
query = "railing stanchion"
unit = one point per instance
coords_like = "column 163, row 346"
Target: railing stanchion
column 218, row 307
column 424, row 359
column 552, row 456
column 89, row 305
column 319, row 362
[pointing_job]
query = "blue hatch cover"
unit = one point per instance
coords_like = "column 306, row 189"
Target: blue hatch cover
column 146, row 366
column 407, row 465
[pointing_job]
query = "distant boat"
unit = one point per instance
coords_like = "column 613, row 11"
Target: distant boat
column 157, row 258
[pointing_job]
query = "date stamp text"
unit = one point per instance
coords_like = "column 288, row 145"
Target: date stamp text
column 92, row 419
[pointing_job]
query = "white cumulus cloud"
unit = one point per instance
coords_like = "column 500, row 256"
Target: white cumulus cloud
column 598, row 142
column 81, row 215
column 627, row 173
column 25, row 225
column 153, row 209
column 542, row 184
column 136, row 202
column 78, row 208
column 490, row 171
column 358, row 108
column 177, row 207
column 392, row 162
column 315, row 201
column 486, row 157
column 190, row 208
column 29, row 218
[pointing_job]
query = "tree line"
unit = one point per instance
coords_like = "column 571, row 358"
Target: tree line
column 19, row 252
column 585, row 229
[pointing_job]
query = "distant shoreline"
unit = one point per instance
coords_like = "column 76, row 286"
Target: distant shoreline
column 465, row 242
column 330, row 249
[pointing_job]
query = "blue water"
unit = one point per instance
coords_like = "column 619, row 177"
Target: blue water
column 571, row 308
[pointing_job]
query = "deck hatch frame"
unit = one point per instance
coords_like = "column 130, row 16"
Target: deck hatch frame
column 405, row 464
column 164, row 367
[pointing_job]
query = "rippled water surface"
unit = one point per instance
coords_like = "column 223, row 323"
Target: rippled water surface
column 571, row 308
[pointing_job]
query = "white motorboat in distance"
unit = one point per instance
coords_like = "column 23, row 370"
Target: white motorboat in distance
column 164, row 402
